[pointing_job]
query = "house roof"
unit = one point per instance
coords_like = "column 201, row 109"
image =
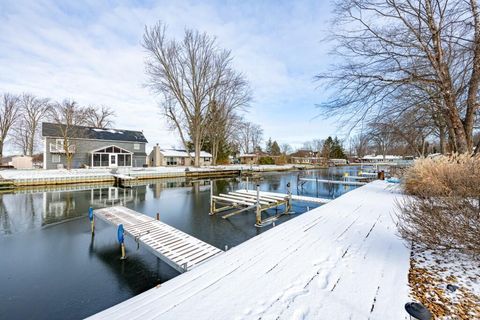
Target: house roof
column 304, row 153
column 182, row 153
column 81, row 132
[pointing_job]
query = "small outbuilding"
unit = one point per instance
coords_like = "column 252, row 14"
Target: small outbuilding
column 161, row 157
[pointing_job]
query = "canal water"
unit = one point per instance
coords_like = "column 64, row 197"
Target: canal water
column 51, row 268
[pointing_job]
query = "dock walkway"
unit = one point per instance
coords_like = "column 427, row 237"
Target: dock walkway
column 178, row 249
column 343, row 260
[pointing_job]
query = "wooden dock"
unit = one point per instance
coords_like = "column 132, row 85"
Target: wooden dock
column 343, row 260
column 178, row 249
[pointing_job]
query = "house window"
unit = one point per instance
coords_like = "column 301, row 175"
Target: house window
column 171, row 161
column 136, row 146
column 55, row 158
column 206, row 159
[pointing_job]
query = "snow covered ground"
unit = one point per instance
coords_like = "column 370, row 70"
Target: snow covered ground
column 342, row 260
column 430, row 274
column 64, row 173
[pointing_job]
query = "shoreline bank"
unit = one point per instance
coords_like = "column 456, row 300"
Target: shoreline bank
column 38, row 177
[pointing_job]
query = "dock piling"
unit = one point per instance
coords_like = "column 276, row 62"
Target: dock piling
column 259, row 213
column 158, row 216
column 212, row 204
column 92, row 220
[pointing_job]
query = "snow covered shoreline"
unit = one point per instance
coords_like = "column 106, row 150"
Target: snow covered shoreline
column 40, row 176
column 342, row 260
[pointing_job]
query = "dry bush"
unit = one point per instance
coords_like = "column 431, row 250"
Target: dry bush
column 443, row 210
column 444, row 176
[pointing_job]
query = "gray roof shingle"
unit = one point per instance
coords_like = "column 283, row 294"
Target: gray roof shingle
column 55, row 130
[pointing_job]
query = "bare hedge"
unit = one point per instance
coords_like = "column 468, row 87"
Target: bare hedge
column 443, row 207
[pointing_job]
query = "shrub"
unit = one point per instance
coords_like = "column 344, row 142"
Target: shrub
column 443, row 209
column 266, row 160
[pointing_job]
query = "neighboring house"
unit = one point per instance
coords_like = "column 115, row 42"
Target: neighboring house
column 256, row 158
column 380, row 158
column 17, row 162
column 338, row 162
column 160, row 157
column 306, row 157
column 93, row 147
column 22, row 162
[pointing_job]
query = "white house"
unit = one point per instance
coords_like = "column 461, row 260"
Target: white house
column 176, row 157
column 380, row 158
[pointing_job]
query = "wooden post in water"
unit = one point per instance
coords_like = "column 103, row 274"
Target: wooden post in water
column 289, row 201
column 247, row 184
column 158, row 216
column 212, row 209
column 259, row 213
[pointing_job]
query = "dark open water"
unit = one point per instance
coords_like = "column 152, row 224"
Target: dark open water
column 51, row 269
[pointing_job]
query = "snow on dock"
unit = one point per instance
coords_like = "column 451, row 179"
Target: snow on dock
column 284, row 195
column 344, row 182
column 178, row 249
column 342, row 260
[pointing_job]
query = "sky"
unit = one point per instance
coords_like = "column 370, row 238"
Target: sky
column 91, row 52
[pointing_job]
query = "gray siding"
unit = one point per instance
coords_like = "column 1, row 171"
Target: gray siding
column 83, row 148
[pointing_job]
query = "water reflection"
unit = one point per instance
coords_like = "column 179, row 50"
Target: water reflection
column 46, row 243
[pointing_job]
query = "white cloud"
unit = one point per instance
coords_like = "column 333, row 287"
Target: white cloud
column 92, row 53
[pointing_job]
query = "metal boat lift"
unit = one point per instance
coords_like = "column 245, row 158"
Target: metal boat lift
column 242, row 200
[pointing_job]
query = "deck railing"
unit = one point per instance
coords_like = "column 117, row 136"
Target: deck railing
column 56, row 148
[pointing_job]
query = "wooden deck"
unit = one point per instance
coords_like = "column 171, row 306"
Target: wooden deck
column 178, row 249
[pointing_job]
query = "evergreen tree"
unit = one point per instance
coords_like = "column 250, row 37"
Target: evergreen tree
column 268, row 148
column 337, row 151
column 275, row 150
column 327, row 148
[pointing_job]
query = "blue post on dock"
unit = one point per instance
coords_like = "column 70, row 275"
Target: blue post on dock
column 121, row 240
column 92, row 219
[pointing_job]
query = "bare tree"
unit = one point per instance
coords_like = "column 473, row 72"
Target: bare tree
column 99, row 117
column 400, row 45
column 33, row 111
column 9, row 113
column 359, row 143
column 285, row 148
column 68, row 116
column 256, row 136
column 249, row 136
column 229, row 97
column 185, row 74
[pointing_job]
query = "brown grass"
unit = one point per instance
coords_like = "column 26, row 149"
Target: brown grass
column 457, row 175
column 443, row 210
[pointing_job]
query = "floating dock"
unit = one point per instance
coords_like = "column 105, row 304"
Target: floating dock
column 178, row 249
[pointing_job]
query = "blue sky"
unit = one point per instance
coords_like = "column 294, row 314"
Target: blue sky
column 91, row 51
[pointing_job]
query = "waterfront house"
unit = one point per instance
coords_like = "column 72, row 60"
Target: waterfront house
column 307, row 157
column 92, row 147
column 381, row 159
column 248, row 158
column 161, row 157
